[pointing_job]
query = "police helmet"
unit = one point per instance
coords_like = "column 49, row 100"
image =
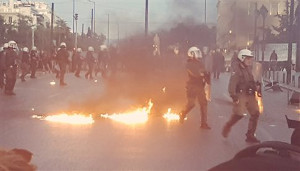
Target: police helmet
column 91, row 49
column 194, row 52
column 79, row 50
column 25, row 49
column 63, row 45
column 12, row 44
column 245, row 53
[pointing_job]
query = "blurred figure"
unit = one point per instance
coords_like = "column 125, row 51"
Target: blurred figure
column 219, row 62
column 242, row 89
column 25, row 65
column 198, row 78
column 46, row 61
column 10, row 68
column 33, row 61
column 103, row 60
column 234, row 64
column 208, row 62
column 2, row 64
column 62, row 60
column 78, row 59
column 16, row 159
column 273, row 61
column 90, row 60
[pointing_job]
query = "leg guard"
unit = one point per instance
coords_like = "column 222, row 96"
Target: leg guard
column 233, row 120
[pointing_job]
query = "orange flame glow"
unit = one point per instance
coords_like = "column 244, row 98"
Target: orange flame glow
column 74, row 119
column 260, row 103
column 164, row 89
column 52, row 83
column 171, row 116
column 139, row 116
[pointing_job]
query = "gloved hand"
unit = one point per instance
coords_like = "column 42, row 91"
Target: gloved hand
column 258, row 89
column 235, row 99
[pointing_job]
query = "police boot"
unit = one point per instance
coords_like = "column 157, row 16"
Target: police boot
column 251, row 129
column 204, row 124
column 229, row 124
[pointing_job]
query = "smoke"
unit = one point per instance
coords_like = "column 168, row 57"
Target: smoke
column 140, row 77
column 192, row 10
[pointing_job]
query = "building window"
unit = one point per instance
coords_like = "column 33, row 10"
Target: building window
column 10, row 19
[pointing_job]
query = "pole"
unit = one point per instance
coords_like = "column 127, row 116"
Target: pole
column 82, row 31
column 51, row 31
column 32, row 36
column 76, row 34
column 92, row 21
column 107, row 29
column 263, row 41
column 73, row 13
column 94, row 17
column 146, row 19
column 205, row 13
column 255, row 31
column 290, row 45
column 297, row 15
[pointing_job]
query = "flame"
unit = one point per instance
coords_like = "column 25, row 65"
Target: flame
column 171, row 116
column 138, row 116
column 52, row 83
column 260, row 103
column 164, row 89
column 74, row 119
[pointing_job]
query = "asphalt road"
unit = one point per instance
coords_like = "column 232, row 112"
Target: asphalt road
column 109, row 145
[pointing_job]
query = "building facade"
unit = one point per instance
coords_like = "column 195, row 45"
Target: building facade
column 38, row 12
column 236, row 21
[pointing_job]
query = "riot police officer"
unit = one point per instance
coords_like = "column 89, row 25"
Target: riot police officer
column 10, row 68
column 242, row 89
column 77, row 61
column 25, row 65
column 33, row 61
column 198, row 78
column 62, row 60
column 90, row 60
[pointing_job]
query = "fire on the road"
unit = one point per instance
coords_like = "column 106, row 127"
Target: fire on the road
column 169, row 116
column 74, row 119
column 138, row 116
column 52, row 83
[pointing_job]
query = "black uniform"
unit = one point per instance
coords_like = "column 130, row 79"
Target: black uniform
column 25, row 65
column 33, row 63
column 10, row 71
column 77, row 62
column 198, row 77
column 2, row 67
column 90, row 60
column 62, row 60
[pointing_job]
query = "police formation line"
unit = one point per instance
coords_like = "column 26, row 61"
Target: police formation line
column 28, row 61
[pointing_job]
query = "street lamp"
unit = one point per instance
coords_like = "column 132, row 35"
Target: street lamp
column 108, row 29
column 76, row 35
column 32, row 35
column 94, row 29
column 263, row 12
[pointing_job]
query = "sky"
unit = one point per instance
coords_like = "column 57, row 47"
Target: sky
column 129, row 15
